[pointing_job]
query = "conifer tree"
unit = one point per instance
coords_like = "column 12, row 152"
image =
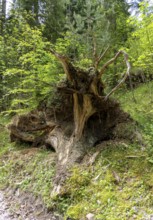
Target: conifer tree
column 2, row 15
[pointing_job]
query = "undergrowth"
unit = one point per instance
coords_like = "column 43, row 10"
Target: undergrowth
column 119, row 186
column 139, row 103
column 30, row 169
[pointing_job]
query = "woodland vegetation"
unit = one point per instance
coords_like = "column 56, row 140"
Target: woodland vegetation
column 65, row 66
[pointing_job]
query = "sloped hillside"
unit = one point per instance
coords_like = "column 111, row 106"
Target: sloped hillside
column 116, row 184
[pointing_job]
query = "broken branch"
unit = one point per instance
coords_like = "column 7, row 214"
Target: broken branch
column 125, row 76
column 67, row 65
column 101, row 56
column 110, row 62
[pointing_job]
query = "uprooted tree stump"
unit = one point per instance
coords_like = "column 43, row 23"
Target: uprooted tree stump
column 80, row 117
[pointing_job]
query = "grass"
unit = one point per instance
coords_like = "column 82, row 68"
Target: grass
column 29, row 169
column 118, row 187
column 139, row 103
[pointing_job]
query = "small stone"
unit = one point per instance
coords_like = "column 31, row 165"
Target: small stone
column 98, row 202
column 90, row 216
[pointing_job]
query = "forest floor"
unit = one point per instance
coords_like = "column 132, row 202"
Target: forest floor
column 23, row 206
column 4, row 212
column 17, row 203
column 118, row 186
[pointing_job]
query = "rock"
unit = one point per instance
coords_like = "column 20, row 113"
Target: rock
column 90, row 216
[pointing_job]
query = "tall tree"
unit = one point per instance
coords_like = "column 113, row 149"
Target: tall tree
column 2, row 15
column 2, row 29
column 96, row 25
column 117, row 15
column 140, row 42
column 29, row 7
column 52, row 15
column 100, row 21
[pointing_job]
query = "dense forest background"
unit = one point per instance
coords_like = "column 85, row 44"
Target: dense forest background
column 79, row 29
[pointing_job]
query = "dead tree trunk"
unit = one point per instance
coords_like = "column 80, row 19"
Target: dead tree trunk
column 86, row 115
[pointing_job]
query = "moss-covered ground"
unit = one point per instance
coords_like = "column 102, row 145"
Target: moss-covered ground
column 118, row 186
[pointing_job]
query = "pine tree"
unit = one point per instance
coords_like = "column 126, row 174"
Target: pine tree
column 52, row 15
column 2, row 15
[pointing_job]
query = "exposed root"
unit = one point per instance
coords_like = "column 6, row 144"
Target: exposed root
column 78, row 118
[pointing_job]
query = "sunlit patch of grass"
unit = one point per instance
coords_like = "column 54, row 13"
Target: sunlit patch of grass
column 139, row 104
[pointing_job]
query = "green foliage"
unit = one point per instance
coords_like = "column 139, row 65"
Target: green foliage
column 5, row 146
column 95, row 25
column 140, row 42
column 29, row 69
column 139, row 104
column 46, row 13
column 52, row 14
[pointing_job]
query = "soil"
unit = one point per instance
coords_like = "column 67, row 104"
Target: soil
column 17, row 205
column 4, row 212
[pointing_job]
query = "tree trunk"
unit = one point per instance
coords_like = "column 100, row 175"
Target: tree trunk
column 82, row 112
column 36, row 11
column 2, row 15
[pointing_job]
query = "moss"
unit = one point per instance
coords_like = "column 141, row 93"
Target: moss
column 125, row 131
column 76, row 212
column 99, row 193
